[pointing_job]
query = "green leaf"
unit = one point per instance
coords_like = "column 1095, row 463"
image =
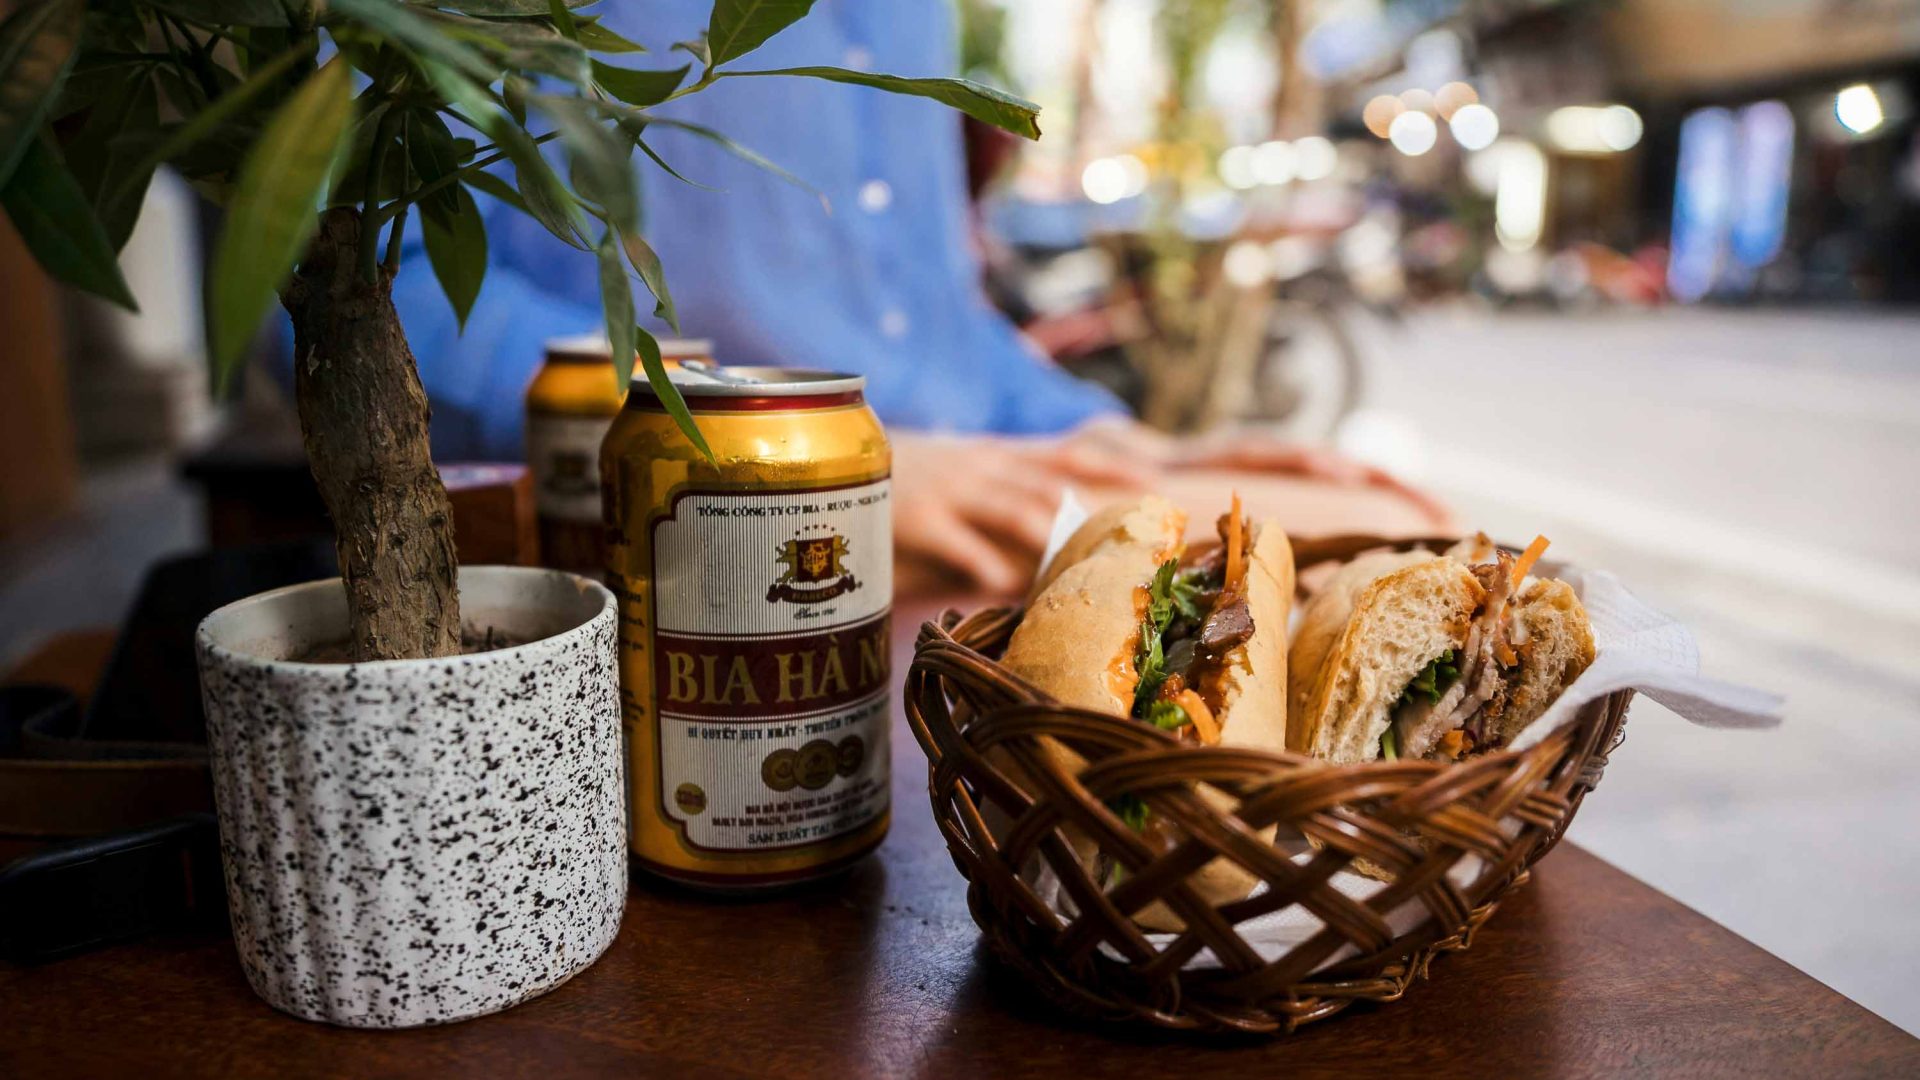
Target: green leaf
column 617, row 300
column 349, row 187
column 227, row 107
column 547, row 199
column 646, row 263
column 273, row 213
column 37, row 46
column 697, row 48
column 668, row 169
column 641, row 88
column 434, row 154
column 519, row 46
column 497, row 8
column 419, row 30
column 563, row 20
column 51, row 213
column 513, row 93
column 103, row 153
column 598, row 38
column 668, row 393
column 602, row 160
column 1152, row 663
column 737, row 27
column 543, row 197
column 743, row 153
column 457, row 248
column 625, row 338
column 983, row 103
column 226, row 12
column 489, row 184
column 95, row 75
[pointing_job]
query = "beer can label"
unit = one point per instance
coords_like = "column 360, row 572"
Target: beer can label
column 564, row 454
column 770, row 664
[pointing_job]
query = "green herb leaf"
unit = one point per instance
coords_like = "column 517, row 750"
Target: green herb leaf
column 1167, row 716
column 1390, row 744
column 1153, row 668
column 272, row 215
column 1133, row 810
column 52, row 215
column 1160, row 595
column 1434, row 679
column 983, row 103
column 457, row 248
column 1185, row 591
column 737, row 27
column 37, row 46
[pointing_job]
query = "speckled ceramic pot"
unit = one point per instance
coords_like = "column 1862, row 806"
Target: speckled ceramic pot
column 418, row 841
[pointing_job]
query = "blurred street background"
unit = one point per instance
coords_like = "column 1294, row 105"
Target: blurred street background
column 1640, row 275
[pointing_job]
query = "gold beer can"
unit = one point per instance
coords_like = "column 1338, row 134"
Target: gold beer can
column 754, row 591
column 570, row 404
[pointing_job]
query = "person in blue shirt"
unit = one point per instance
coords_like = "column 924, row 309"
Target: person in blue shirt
column 882, row 281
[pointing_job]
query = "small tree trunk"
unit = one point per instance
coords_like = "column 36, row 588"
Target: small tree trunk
column 363, row 416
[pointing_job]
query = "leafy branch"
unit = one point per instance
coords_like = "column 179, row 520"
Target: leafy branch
column 273, row 133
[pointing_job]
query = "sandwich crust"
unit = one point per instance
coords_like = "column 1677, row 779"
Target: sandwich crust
column 1077, row 639
column 1559, row 647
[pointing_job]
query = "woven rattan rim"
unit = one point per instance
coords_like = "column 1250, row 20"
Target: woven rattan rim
column 1005, row 805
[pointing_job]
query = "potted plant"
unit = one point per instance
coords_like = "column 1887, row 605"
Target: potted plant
column 421, row 833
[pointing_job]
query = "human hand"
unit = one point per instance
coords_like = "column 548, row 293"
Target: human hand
column 1253, row 452
column 974, row 511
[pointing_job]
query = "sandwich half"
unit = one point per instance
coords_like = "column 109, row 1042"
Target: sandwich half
column 1121, row 625
column 1415, row 655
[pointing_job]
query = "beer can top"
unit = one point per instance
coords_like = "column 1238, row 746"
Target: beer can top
column 592, row 347
column 699, row 379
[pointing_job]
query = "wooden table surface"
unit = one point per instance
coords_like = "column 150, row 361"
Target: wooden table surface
column 1585, row 971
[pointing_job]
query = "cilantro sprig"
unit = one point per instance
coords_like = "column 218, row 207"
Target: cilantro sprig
column 1432, row 683
column 1435, row 679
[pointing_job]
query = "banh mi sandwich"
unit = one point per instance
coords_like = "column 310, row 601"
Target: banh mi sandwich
column 1121, row 625
column 1415, row 655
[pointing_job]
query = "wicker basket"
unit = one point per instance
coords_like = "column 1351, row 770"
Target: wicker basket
column 1479, row 825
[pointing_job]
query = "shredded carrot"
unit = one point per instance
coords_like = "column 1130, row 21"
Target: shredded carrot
column 1236, row 549
column 1204, row 725
column 1454, row 743
column 1528, row 558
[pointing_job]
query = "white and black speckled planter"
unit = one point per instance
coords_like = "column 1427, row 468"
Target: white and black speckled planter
column 418, row 841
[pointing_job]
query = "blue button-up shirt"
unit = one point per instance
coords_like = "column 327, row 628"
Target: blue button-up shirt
column 885, row 284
